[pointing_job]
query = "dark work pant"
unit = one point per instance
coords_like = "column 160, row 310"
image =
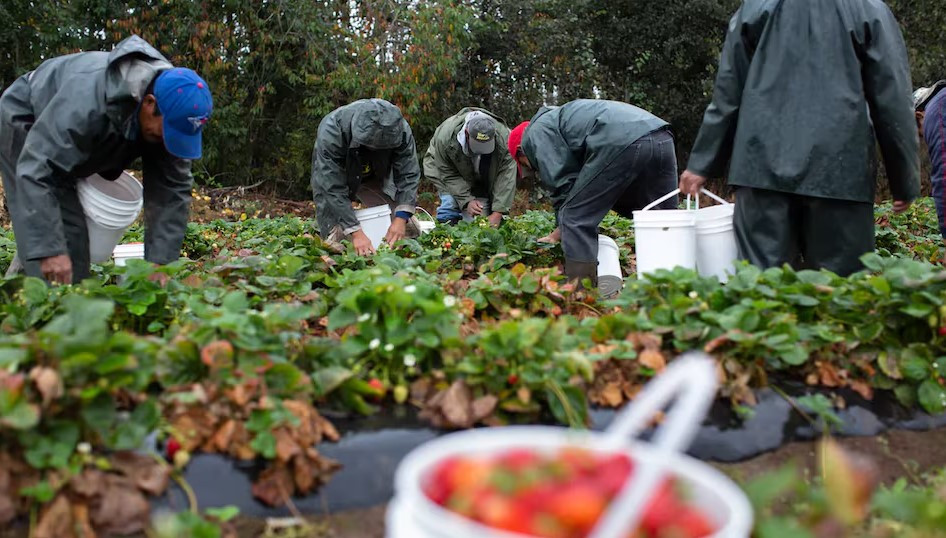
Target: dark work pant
column 73, row 218
column 642, row 173
column 776, row 228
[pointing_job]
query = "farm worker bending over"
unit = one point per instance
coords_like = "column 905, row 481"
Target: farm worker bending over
column 594, row 156
column 468, row 162
column 95, row 113
column 365, row 153
column 930, row 105
column 803, row 88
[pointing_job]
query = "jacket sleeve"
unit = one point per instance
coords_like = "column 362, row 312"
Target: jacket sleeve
column 167, row 192
column 59, row 141
column 329, row 180
column 443, row 174
column 713, row 147
column 504, row 187
column 406, row 174
column 888, row 88
column 551, row 155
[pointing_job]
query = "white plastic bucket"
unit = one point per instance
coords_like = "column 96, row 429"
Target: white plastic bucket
column 610, row 277
column 690, row 380
column 128, row 251
column 375, row 222
column 716, row 249
column 426, row 226
column 666, row 238
column 110, row 207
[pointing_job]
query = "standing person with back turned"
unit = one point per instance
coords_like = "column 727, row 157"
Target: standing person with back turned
column 594, row 156
column 468, row 161
column 365, row 152
column 930, row 105
column 95, row 113
column 802, row 91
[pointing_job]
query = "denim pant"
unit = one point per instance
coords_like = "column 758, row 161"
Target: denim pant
column 642, row 173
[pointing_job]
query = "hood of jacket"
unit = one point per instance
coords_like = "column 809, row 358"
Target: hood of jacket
column 377, row 124
column 132, row 65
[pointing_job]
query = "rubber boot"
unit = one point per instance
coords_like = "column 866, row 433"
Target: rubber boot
column 579, row 271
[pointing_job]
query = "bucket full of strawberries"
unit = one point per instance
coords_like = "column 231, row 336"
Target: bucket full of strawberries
column 550, row 482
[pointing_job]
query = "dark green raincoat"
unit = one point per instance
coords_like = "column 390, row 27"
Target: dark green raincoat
column 367, row 140
column 803, row 91
column 572, row 144
column 451, row 170
column 75, row 116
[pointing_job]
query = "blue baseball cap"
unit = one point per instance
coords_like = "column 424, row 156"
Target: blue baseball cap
column 185, row 104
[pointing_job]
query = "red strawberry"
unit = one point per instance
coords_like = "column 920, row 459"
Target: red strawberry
column 578, row 506
column 171, row 448
column 662, row 510
column 942, row 331
column 692, row 524
column 512, row 379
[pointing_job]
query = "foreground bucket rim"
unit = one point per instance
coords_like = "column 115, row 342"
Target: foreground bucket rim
column 545, row 438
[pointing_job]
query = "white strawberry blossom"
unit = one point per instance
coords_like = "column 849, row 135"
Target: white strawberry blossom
column 410, row 289
column 374, row 344
column 450, row 301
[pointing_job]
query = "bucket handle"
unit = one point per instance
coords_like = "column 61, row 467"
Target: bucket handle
column 664, row 198
column 690, row 382
column 427, row 213
column 711, row 195
column 674, row 192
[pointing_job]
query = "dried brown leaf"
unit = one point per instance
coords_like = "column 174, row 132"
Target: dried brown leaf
column 56, row 520
column 611, row 395
column 223, row 438
column 863, row 388
column 484, row 407
column 89, row 483
column 48, row 383
column 456, row 405
column 286, row 447
column 122, row 508
column 652, row 359
column 274, row 485
column 148, row 474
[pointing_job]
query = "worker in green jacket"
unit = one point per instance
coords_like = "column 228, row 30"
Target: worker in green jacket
column 804, row 92
column 365, row 153
column 95, row 113
column 594, row 156
column 469, row 161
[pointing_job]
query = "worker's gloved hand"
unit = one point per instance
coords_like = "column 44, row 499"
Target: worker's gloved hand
column 362, row 244
column 396, row 231
column 475, row 208
column 57, row 269
column 553, row 238
column 899, row 206
column 691, row 183
column 495, row 219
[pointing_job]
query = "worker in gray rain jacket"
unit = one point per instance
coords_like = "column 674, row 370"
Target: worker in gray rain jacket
column 95, row 113
column 594, row 156
column 365, row 153
column 468, row 161
column 804, row 92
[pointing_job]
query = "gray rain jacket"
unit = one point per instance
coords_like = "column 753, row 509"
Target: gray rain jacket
column 75, row 116
column 368, row 133
column 803, row 89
